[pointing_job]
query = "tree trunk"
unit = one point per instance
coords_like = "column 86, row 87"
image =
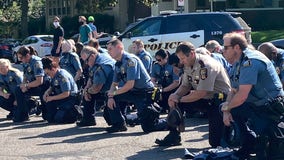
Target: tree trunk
column 24, row 18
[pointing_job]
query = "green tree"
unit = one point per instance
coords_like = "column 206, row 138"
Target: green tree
column 19, row 11
column 9, row 18
column 94, row 6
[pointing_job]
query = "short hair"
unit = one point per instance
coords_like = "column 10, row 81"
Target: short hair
column 202, row 50
column 115, row 42
column 212, row 44
column 56, row 18
column 185, row 48
column 83, row 18
column 89, row 50
column 237, row 39
column 93, row 42
column 138, row 43
column 267, row 48
column 79, row 46
column 49, row 63
column 162, row 53
column 173, row 60
column 67, row 45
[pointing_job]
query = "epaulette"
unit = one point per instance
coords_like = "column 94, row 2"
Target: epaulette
column 201, row 63
column 246, row 62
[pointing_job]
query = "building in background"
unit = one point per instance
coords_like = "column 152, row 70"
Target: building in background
column 128, row 11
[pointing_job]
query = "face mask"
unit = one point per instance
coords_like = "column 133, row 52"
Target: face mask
column 56, row 24
column 81, row 23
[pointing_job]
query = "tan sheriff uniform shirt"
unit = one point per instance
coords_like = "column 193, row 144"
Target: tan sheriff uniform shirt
column 207, row 74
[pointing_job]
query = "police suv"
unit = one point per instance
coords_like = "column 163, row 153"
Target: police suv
column 168, row 30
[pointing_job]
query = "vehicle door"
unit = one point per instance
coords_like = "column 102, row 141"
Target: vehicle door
column 148, row 31
column 180, row 28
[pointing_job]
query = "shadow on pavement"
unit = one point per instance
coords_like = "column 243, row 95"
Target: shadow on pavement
column 160, row 153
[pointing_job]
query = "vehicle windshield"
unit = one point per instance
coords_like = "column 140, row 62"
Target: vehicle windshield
column 47, row 38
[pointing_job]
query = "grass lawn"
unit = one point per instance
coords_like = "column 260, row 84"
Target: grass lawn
column 264, row 36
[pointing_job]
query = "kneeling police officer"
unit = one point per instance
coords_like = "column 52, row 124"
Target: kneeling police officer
column 136, row 87
column 209, row 79
column 101, row 69
column 60, row 98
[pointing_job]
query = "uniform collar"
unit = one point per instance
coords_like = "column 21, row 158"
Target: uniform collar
column 196, row 62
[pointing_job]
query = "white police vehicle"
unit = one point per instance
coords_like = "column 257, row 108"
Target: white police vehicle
column 168, row 30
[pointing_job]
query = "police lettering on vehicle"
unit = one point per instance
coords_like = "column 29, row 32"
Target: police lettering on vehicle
column 157, row 46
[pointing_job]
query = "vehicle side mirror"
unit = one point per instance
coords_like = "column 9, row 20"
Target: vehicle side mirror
column 116, row 34
column 128, row 35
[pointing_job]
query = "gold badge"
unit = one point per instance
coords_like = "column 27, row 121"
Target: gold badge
column 29, row 69
column 130, row 63
column 196, row 79
column 122, row 70
column 10, row 78
column 247, row 63
column 277, row 70
column 189, row 78
column 91, row 73
column 167, row 73
column 203, row 73
column 56, row 82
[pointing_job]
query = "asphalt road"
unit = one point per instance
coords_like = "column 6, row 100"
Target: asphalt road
column 35, row 139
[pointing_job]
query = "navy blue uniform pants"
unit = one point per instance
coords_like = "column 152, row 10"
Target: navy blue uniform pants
column 215, row 119
column 61, row 111
column 139, row 98
column 89, row 108
column 22, row 109
column 250, row 125
column 7, row 104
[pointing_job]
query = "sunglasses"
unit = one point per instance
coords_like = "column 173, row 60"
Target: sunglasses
column 87, row 60
column 159, row 60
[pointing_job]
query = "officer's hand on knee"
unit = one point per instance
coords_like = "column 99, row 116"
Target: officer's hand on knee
column 111, row 103
column 171, row 103
column 227, row 118
column 87, row 97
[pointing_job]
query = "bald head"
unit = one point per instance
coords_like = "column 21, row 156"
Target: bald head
column 268, row 49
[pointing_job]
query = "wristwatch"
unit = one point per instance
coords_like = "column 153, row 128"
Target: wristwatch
column 225, row 108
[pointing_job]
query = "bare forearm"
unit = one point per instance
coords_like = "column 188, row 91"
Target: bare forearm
column 171, row 86
column 182, row 90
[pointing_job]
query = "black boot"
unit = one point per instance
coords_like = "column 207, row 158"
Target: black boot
column 172, row 139
column 117, row 128
column 85, row 122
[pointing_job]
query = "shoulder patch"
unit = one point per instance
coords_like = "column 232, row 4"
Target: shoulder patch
column 64, row 79
column 130, row 63
column 247, row 63
column 203, row 73
column 146, row 58
column 37, row 65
